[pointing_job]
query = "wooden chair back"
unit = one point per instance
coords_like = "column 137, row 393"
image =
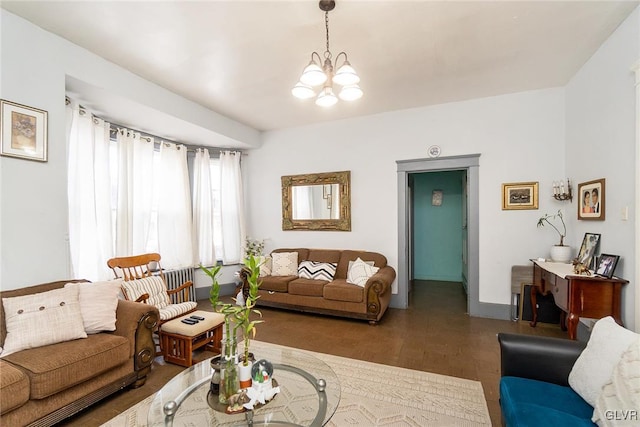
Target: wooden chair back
column 136, row 266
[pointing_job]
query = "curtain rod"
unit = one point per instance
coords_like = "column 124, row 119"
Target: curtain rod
column 114, row 128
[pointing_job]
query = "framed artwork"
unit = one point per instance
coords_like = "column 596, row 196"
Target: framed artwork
column 23, row 131
column 520, row 195
column 436, row 197
column 588, row 248
column 591, row 199
column 607, row 265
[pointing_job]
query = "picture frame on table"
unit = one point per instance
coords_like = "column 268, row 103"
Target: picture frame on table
column 520, row 195
column 588, row 249
column 23, row 131
column 607, row 265
column 591, row 200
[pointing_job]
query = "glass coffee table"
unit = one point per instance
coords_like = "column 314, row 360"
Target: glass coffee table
column 309, row 394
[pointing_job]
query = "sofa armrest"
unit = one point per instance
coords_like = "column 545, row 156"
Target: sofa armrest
column 377, row 287
column 538, row 358
column 136, row 322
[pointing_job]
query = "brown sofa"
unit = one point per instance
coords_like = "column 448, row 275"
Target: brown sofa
column 42, row 386
column 337, row 297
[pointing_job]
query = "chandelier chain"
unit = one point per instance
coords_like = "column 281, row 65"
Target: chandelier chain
column 326, row 26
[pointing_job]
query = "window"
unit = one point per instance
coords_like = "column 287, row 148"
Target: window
column 127, row 197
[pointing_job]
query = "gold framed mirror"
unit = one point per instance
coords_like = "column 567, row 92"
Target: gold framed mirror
column 317, row 201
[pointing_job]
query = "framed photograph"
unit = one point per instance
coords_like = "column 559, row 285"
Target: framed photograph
column 607, row 265
column 591, row 200
column 588, row 249
column 520, row 195
column 23, row 131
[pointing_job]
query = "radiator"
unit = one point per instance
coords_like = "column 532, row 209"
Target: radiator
column 175, row 278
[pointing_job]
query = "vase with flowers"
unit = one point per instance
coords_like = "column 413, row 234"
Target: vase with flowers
column 559, row 252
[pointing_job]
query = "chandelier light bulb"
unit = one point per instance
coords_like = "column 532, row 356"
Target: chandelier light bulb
column 346, row 75
column 302, row 91
column 313, row 75
column 326, row 97
column 350, row 93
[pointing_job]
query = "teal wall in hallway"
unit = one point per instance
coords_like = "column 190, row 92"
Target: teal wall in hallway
column 437, row 230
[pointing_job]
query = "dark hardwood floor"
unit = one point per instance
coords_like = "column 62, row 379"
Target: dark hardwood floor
column 434, row 334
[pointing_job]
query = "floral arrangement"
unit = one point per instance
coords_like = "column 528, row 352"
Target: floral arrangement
column 547, row 218
column 253, row 247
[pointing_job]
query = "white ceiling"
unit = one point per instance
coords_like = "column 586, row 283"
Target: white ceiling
column 241, row 58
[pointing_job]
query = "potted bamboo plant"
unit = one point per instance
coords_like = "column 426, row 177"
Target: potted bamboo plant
column 229, row 380
column 236, row 317
column 243, row 317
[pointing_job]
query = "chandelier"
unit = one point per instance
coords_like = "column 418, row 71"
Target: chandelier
column 315, row 75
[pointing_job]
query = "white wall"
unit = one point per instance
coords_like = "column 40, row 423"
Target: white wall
column 33, row 197
column 600, row 143
column 520, row 138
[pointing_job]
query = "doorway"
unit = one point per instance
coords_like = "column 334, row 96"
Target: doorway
column 438, row 229
column 469, row 164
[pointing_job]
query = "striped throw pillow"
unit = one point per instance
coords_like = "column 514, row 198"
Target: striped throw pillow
column 317, row 270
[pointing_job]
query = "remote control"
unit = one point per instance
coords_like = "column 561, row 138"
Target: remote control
column 197, row 317
column 189, row 321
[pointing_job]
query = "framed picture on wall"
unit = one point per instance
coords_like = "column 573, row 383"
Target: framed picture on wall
column 591, row 198
column 520, row 195
column 23, row 131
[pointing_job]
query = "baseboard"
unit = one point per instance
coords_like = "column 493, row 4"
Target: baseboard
column 491, row 311
column 225, row 290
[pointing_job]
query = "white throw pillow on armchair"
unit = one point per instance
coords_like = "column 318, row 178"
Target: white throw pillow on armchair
column 594, row 366
column 620, row 397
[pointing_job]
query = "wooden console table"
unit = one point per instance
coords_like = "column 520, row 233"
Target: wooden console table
column 577, row 296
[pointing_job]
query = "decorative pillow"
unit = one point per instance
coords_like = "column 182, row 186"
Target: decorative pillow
column 153, row 285
column 284, row 263
column 595, row 365
column 621, row 395
column 359, row 272
column 371, row 263
column 265, row 266
column 317, row 270
column 98, row 303
column 41, row 319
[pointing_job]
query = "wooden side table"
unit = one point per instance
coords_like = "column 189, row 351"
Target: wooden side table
column 179, row 340
column 577, row 296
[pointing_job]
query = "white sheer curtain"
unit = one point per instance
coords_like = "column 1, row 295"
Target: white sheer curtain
column 89, row 194
column 135, row 181
column 127, row 198
column 203, row 215
column 174, row 207
column 232, row 207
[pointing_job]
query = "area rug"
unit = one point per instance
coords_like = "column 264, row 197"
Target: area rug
column 376, row 395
